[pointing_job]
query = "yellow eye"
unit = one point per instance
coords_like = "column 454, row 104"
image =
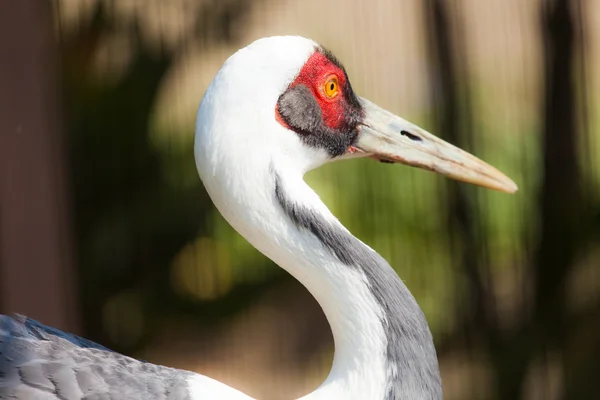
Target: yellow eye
column 331, row 87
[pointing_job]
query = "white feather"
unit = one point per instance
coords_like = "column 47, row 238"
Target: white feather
column 238, row 143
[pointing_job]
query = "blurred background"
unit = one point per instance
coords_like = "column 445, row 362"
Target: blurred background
column 106, row 230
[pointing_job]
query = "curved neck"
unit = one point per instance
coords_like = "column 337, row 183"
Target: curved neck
column 383, row 346
column 326, row 266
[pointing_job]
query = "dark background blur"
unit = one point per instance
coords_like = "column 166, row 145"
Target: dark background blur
column 106, row 230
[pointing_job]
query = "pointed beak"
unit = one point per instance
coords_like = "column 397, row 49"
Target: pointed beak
column 387, row 137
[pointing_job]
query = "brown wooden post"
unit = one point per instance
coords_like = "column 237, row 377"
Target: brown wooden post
column 36, row 274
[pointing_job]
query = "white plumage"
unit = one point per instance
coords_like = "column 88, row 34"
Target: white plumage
column 238, row 143
column 276, row 109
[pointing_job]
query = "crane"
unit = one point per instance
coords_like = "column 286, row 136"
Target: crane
column 276, row 109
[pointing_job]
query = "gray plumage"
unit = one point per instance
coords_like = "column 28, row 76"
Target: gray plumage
column 411, row 357
column 42, row 363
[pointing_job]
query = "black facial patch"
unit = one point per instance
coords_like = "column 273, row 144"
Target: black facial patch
column 302, row 113
column 299, row 109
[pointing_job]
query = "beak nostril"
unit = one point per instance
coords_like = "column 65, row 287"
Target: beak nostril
column 411, row 136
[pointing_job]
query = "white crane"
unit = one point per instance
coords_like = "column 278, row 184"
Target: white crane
column 276, row 109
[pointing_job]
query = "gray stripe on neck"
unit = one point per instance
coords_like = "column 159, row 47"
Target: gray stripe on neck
column 412, row 364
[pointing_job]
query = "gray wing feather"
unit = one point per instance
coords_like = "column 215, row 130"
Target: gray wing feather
column 42, row 363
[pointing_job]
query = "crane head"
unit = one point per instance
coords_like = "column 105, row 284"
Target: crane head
column 289, row 98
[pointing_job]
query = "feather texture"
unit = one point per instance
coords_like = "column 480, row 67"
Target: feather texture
column 42, row 363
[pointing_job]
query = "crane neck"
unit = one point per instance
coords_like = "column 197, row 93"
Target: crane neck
column 383, row 346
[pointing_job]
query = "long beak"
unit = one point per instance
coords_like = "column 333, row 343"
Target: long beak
column 387, row 137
